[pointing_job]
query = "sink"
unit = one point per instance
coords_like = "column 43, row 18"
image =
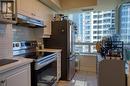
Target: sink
column 6, row 61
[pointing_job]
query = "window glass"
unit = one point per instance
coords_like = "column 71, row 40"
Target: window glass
column 91, row 27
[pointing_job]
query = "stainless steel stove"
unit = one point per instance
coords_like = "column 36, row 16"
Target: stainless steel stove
column 43, row 63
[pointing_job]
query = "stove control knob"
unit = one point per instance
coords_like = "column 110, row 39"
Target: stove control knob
column 17, row 44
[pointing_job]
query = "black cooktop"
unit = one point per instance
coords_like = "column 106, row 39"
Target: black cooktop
column 37, row 54
column 6, row 61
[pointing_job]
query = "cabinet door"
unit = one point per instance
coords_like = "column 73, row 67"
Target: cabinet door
column 23, row 7
column 18, row 6
column 47, row 30
column 19, row 79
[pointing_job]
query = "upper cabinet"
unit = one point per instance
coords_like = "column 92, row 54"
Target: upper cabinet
column 27, row 7
column 36, row 9
column 47, row 30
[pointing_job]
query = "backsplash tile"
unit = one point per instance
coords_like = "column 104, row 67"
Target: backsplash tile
column 5, row 41
column 21, row 33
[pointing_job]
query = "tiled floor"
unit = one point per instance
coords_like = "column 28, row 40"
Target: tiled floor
column 81, row 78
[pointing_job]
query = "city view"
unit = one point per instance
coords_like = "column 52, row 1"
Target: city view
column 125, row 22
column 92, row 27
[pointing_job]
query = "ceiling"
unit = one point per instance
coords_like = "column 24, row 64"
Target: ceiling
column 81, row 5
column 73, row 4
column 85, row 5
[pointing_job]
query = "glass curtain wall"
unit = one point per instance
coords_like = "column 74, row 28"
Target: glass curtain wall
column 124, row 29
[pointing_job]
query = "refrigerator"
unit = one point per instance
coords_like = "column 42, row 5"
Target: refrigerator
column 63, row 38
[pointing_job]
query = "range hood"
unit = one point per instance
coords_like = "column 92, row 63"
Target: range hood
column 29, row 22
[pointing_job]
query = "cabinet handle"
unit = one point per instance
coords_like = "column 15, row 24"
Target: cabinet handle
column 3, row 83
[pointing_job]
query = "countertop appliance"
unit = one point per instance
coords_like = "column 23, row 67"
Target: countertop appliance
column 44, row 66
column 63, row 38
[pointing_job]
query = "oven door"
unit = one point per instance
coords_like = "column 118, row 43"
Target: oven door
column 47, row 75
column 44, row 72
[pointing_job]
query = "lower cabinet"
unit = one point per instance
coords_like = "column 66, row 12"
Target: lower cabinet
column 111, row 73
column 16, row 77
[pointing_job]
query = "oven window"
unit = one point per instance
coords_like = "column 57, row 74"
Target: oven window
column 47, row 75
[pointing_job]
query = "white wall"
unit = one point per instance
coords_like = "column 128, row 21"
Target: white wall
column 87, row 63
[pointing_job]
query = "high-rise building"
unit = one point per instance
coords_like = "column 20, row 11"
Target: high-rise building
column 125, row 22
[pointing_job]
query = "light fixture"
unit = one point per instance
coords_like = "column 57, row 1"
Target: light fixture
column 7, row 9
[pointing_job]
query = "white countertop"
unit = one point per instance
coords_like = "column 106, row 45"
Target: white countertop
column 51, row 50
column 20, row 62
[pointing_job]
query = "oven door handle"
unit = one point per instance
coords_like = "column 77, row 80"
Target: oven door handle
column 45, row 60
column 43, row 63
column 46, row 57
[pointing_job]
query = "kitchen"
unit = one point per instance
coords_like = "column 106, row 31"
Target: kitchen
column 24, row 30
column 34, row 20
column 20, row 70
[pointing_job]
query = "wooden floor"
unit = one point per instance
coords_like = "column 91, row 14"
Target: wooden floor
column 81, row 78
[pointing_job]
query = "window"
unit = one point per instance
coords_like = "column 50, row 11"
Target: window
column 124, row 31
column 100, row 21
column 87, row 37
column 113, row 14
column 87, row 27
column 105, row 32
column 100, row 16
column 95, row 21
column 107, row 15
column 124, row 25
column 87, row 22
column 106, row 26
column 96, row 37
column 95, row 27
column 106, row 20
column 87, row 17
column 100, row 27
column 87, row 32
column 97, row 32
column 113, row 20
column 113, row 26
column 95, row 16
column 128, row 37
column 94, row 32
column 92, row 26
